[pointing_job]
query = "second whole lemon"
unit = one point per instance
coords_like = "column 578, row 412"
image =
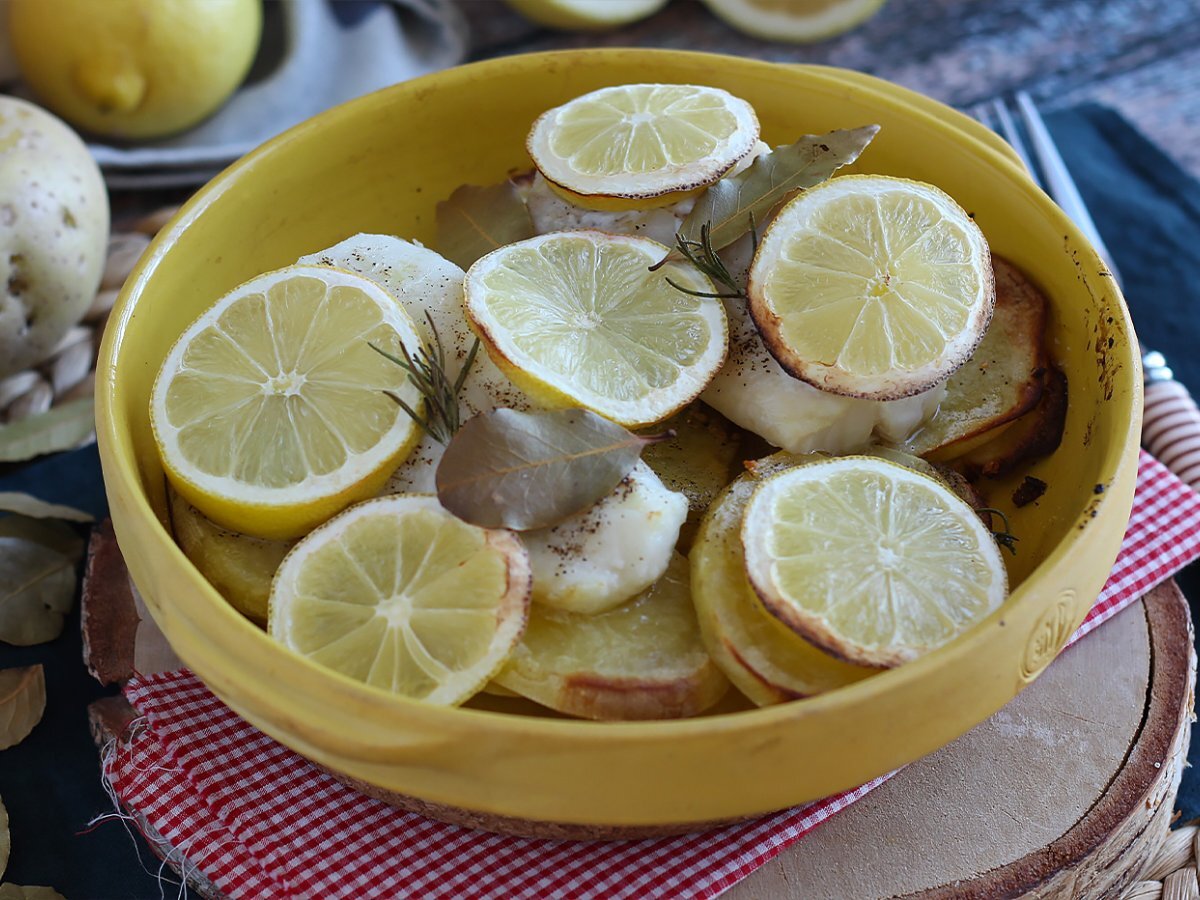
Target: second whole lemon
column 135, row 69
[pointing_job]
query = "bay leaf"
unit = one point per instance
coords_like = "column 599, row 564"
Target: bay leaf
column 37, row 589
column 518, row 470
column 31, row 892
column 732, row 204
column 5, row 840
column 28, row 505
column 59, row 428
column 22, row 702
column 49, row 533
column 476, row 220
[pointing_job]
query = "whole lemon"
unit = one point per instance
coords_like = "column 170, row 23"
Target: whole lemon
column 135, row 68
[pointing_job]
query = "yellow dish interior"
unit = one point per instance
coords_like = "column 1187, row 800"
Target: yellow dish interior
column 381, row 164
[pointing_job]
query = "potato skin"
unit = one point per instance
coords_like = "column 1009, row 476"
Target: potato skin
column 54, row 223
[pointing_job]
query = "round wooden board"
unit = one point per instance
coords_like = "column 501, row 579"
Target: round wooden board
column 1066, row 792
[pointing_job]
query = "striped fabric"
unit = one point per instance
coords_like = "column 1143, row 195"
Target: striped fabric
column 1171, row 429
column 262, row 822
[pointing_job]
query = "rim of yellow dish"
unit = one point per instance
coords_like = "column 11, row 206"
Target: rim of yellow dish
column 381, row 732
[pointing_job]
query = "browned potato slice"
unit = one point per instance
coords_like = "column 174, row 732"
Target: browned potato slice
column 239, row 566
column 1035, row 434
column 1003, row 378
column 698, row 462
column 642, row 660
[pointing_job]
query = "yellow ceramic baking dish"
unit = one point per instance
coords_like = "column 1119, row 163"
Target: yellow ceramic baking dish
column 380, row 164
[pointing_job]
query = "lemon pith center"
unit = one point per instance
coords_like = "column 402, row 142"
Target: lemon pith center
column 285, row 384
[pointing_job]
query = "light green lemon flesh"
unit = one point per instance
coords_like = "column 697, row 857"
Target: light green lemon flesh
column 870, row 560
column 578, row 318
column 402, row 595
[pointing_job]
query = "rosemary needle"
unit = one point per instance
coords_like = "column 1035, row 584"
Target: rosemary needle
column 426, row 370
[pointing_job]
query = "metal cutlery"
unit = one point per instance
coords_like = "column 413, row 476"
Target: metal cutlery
column 1171, row 419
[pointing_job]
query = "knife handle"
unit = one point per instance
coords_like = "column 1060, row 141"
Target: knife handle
column 1171, row 429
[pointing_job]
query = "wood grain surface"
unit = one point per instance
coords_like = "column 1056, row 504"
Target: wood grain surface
column 1066, row 792
column 1139, row 56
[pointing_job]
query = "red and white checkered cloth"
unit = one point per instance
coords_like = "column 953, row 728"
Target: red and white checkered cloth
column 262, row 822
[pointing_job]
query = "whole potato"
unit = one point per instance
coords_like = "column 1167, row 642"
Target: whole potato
column 53, row 232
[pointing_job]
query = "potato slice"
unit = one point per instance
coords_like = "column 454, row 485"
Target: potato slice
column 239, row 566
column 1003, row 377
column 1034, row 435
column 642, row 660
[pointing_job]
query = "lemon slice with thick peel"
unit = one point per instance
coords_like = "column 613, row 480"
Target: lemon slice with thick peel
column 872, row 286
column 765, row 660
column 794, row 20
column 646, row 143
column 577, row 319
column 871, row 561
column 400, row 594
column 586, row 15
column 642, row 660
column 270, row 412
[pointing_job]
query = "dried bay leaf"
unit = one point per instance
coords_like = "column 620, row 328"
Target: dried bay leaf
column 22, row 702
column 509, row 469
column 50, row 533
column 37, row 588
column 733, row 204
column 476, row 220
column 28, row 505
column 31, row 892
column 61, row 428
column 5, row 840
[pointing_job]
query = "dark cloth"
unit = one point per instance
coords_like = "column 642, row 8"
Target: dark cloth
column 1148, row 211
column 50, row 782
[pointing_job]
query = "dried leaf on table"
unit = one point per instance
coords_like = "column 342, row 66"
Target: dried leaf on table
column 22, row 702
column 30, row 892
column 509, row 469
column 28, row 505
column 37, row 588
column 5, row 840
column 475, row 220
column 50, row 533
column 60, row 428
column 732, row 205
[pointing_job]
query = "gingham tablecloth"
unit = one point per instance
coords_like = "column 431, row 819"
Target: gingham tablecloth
column 262, row 822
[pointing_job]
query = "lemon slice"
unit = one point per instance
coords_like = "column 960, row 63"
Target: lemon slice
column 577, row 319
column 642, row 142
column 586, row 15
column 400, row 594
column 871, row 561
column 794, row 20
column 270, row 412
column 765, row 660
column 871, row 286
column 642, row 660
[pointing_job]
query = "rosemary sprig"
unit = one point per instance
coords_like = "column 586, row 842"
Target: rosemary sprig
column 702, row 255
column 427, row 371
column 1005, row 538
